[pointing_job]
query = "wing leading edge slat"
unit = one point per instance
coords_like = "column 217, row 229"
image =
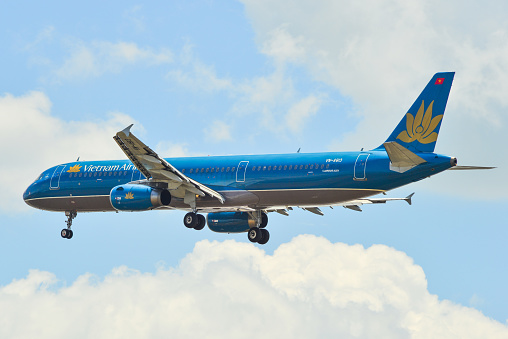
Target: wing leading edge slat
column 156, row 168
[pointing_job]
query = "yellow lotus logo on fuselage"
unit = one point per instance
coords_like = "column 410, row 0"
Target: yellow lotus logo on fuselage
column 74, row 169
column 421, row 128
column 129, row 196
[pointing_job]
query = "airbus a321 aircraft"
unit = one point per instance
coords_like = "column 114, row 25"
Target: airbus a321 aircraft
column 237, row 192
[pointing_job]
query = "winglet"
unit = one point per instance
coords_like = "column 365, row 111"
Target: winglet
column 408, row 198
column 127, row 130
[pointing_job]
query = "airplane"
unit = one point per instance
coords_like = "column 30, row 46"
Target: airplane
column 237, row 192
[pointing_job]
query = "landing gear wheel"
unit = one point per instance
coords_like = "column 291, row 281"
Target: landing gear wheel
column 201, row 222
column 264, row 220
column 254, row 234
column 190, row 220
column 66, row 233
column 265, row 236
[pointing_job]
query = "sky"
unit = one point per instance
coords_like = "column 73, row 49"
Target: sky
column 252, row 77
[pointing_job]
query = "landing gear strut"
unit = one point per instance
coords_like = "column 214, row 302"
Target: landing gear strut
column 67, row 233
column 194, row 220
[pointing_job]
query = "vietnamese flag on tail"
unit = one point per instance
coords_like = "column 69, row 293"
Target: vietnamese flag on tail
column 439, row 81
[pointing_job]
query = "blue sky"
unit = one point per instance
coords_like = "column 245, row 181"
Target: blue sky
column 215, row 78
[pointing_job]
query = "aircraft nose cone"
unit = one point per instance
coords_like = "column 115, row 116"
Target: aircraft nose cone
column 26, row 194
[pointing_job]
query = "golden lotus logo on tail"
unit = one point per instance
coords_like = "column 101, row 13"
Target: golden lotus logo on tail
column 74, row 169
column 129, row 196
column 421, row 128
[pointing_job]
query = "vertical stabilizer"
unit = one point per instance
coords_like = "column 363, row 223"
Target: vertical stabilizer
column 419, row 129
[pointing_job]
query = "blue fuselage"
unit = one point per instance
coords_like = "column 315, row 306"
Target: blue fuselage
column 256, row 181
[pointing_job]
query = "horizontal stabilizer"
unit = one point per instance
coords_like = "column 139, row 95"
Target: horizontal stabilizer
column 466, row 168
column 401, row 159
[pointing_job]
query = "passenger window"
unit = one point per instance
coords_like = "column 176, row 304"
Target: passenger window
column 227, row 169
column 114, row 173
column 183, row 171
column 254, row 168
column 125, row 173
column 269, row 168
column 85, row 175
column 290, row 167
column 259, row 168
column 191, row 171
column 285, row 167
column 280, row 167
column 222, row 169
column 322, row 166
column 301, row 166
column 311, row 166
column 80, row 174
column 100, row 174
column 207, row 170
column 233, row 169
column 95, row 174
column 327, row 166
column 264, row 168
column 306, row 166
column 202, row 170
column 212, row 170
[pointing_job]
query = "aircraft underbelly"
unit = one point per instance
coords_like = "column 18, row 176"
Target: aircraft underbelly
column 310, row 197
column 82, row 204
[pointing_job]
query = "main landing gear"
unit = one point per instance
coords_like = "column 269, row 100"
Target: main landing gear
column 194, row 220
column 259, row 234
column 67, row 233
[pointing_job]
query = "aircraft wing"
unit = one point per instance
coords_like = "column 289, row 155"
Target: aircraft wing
column 355, row 204
column 157, row 169
column 351, row 204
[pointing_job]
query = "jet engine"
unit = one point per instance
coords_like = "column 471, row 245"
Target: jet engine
column 138, row 197
column 230, row 222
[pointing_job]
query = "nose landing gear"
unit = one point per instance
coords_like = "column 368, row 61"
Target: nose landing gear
column 67, row 233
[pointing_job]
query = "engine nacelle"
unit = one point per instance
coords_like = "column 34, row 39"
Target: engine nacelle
column 230, row 222
column 138, row 197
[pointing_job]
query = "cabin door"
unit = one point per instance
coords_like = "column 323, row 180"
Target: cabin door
column 240, row 171
column 361, row 166
column 54, row 184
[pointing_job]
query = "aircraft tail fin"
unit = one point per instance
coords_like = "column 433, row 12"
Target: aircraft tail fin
column 419, row 129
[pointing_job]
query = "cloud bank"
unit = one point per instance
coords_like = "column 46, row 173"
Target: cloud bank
column 381, row 54
column 34, row 140
column 309, row 288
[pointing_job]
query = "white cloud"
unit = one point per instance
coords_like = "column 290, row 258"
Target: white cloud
column 309, row 288
column 94, row 59
column 170, row 149
column 34, row 140
column 300, row 112
column 195, row 75
column 282, row 46
column 218, row 131
column 381, row 54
